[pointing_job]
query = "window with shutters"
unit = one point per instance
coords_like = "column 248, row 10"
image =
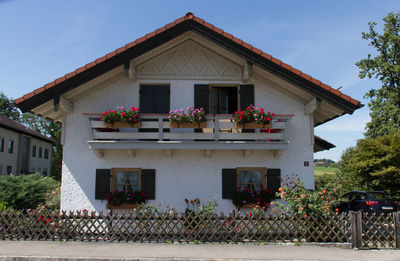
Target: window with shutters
column 251, row 178
column 126, row 179
column 235, row 179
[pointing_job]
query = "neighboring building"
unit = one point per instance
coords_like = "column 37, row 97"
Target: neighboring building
column 23, row 150
column 188, row 62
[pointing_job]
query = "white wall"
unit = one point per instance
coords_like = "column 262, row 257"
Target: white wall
column 187, row 174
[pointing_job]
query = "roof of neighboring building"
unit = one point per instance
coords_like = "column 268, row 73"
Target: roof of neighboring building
column 18, row 127
column 164, row 34
column 320, row 144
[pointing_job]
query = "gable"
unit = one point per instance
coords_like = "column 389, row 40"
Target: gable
column 253, row 57
column 189, row 60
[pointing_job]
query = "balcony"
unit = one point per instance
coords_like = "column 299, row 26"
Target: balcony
column 220, row 134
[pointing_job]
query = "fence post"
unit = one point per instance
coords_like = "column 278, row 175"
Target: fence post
column 356, row 229
column 396, row 217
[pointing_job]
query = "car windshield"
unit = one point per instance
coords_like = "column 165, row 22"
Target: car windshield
column 379, row 195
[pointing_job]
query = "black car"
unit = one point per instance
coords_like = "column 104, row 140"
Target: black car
column 374, row 201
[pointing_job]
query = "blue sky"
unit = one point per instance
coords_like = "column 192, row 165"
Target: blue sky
column 43, row 40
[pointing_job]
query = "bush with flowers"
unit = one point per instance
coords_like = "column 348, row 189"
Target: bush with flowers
column 253, row 114
column 195, row 210
column 192, row 115
column 304, row 201
column 125, row 197
column 131, row 116
column 246, row 196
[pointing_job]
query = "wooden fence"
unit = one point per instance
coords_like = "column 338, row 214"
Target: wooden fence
column 362, row 230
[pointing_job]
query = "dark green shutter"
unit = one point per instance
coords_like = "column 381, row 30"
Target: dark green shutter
column 202, row 97
column 246, row 99
column 103, row 180
column 228, row 183
column 246, row 96
column 154, row 98
column 273, row 179
column 149, row 183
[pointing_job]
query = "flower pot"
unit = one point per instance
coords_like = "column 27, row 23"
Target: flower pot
column 253, row 125
column 119, row 124
column 122, row 206
column 199, row 125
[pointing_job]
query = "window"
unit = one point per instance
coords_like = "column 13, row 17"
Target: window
column 10, row 146
column 1, row 170
column 9, row 169
column 46, row 153
column 224, row 99
column 45, row 171
column 39, row 170
column 34, row 151
column 40, row 152
column 251, row 178
column 33, row 170
column 1, row 144
column 126, row 179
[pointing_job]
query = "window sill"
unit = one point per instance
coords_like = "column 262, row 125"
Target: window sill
column 122, row 206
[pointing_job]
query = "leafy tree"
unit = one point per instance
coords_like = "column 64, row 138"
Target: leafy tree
column 373, row 164
column 385, row 66
column 8, row 108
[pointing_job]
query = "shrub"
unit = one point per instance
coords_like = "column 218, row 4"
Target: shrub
column 52, row 199
column 25, row 191
column 304, row 201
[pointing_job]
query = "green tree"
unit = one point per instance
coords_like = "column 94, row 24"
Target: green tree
column 8, row 108
column 373, row 164
column 385, row 66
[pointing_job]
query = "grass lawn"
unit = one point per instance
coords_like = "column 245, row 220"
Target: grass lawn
column 324, row 170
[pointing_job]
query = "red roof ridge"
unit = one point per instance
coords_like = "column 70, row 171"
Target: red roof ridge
column 188, row 16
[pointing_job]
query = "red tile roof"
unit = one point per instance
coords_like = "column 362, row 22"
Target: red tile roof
column 190, row 16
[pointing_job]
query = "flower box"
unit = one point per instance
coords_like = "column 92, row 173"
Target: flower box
column 122, row 125
column 250, row 205
column 253, row 125
column 122, row 206
column 200, row 125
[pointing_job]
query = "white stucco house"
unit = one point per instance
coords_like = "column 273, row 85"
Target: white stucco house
column 23, row 150
column 188, row 62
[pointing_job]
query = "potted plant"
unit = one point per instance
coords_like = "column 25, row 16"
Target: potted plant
column 125, row 199
column 253, row 118
column 245, row 198
column 120, row 118
column 193, row 118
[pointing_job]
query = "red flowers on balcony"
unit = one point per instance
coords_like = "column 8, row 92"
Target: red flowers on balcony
column 121, row 117
column 252, row 115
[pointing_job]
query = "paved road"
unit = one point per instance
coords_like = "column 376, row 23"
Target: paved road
column 34, row 250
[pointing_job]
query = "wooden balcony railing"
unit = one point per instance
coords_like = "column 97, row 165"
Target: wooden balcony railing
column 220, row 133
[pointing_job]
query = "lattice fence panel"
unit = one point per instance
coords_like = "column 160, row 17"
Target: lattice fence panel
column 378, row 231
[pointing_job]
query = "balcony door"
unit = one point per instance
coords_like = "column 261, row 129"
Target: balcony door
column 224, row 99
